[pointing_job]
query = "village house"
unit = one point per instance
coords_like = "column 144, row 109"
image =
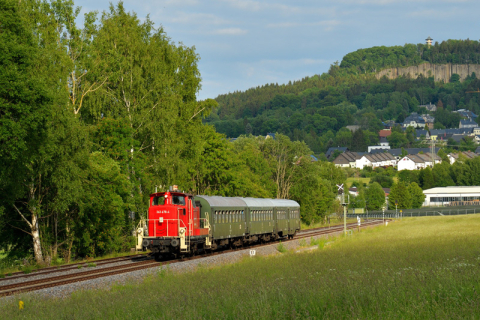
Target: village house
column 346, row 160
column 418, row 161
column 467, row 124
column 453, row 157
column 376, row 160
column 414, row 120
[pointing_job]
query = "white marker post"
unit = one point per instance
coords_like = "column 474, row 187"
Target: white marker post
column 358, row 223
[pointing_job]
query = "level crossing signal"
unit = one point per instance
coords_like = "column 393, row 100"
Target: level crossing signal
column 340, row 188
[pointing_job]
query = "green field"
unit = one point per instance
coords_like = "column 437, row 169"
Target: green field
column 418, row 268
column 350, row 180
column 361, row 180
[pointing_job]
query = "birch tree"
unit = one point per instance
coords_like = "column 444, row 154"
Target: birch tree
column 24, row 115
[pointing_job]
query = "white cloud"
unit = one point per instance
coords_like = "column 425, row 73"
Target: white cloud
column 283, row 25
column 196, row 18
column 230, row 31
column 436, row 13
column 255, row 6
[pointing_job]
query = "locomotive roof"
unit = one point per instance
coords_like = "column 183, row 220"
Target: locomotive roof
column 217, row 201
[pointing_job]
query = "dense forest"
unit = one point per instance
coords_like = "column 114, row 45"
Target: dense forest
column 315, row 109
column 94, row 119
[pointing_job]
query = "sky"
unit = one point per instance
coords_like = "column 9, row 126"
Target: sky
column 245, row 44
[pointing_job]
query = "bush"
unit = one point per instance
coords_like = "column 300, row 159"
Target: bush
column 383, row 180
column 281, row 247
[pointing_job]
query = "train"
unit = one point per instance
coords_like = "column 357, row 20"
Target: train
column 181, row 224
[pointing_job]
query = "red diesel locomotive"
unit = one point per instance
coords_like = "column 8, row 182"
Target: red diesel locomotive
column 179, row 223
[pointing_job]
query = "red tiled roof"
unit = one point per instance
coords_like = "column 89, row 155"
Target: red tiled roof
column 384, row 133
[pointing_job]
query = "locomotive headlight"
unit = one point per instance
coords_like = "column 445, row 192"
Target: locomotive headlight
column 182, row 231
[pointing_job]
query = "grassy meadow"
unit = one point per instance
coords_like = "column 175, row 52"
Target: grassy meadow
column 418, row 268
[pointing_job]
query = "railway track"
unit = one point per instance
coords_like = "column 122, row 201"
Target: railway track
column 93, row 273
column 73, row 266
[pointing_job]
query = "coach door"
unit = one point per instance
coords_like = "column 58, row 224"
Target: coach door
column 291, row 221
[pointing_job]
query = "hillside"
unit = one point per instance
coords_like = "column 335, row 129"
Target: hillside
column 439, row 72
column 368, row 86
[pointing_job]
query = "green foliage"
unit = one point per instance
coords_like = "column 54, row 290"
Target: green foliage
column 384, row 180
column 281, row 248
column 426, row 178
column 400, row 194
column 397, row 140
column 409, row 176
column 102, row 216
column 376, row 58
column 417, row 195
column 375, row 196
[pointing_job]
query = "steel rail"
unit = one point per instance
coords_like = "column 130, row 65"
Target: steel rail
column 69, row 267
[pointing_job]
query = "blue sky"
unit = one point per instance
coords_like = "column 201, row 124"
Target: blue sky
column 244, row 44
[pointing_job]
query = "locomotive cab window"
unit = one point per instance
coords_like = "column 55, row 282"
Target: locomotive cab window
column 178, row 200
column 158, row 201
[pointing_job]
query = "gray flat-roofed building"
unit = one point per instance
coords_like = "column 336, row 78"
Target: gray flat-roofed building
column 452, row 196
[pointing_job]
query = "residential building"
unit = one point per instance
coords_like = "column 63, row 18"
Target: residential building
column 375, row 160
column 331, row 150
column 346, row 160
column 453, row 157
column 418, row 161
column 414, row 120
column 467, row 124
column 430, row 107
column 385, row 133
column 467, row 114
column 383, row 145
column 429, row 120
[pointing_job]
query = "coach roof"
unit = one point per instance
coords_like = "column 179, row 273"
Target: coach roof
column 216, row 201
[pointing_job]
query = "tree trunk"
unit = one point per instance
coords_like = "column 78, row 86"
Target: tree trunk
column 37, row 248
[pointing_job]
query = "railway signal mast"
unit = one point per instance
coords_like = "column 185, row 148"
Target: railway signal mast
column 344, row 204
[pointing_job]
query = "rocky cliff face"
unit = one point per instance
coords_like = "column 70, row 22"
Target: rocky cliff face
column 438, row 71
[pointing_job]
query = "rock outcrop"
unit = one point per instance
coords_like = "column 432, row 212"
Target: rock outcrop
column 440, row 72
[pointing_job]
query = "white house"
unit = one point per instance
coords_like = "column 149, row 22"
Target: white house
column 417, row 161
column 346, row 160
column 452, row 157
column 376, row 160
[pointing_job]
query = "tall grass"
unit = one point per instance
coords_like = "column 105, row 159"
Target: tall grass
column 420, row 268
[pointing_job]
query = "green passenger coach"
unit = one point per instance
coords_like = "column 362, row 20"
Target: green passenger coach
column 235, row 221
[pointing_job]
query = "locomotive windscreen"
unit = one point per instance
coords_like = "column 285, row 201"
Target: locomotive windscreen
column 158, row 201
